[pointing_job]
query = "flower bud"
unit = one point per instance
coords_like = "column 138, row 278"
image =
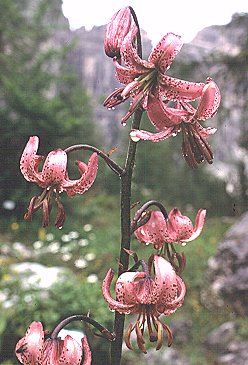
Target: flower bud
column 119, row 26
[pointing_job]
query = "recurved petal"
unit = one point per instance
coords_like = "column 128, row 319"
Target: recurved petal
column 128, row 287
column 119, row 26
column 71, row 352
column 87, row 351
column 178, row 300
column 29, row 348
column 176, row 89
column 204, row 132
column 131, row 58
column 113, row 304
column 165, row 280
column 154, row 231
column 136, row 135
column 165, row 51
column 180, row 228
column 209, row 102
column 30, row 160
column 199, row 223
column 81, row 185
column 54, row 169
column 163, row 116
column 123, row 74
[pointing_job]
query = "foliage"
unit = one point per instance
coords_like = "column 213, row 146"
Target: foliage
column 39, row 93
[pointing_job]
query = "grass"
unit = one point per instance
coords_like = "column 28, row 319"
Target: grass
column 97, row 223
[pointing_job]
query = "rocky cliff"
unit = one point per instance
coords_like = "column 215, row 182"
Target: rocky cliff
column 216, row 51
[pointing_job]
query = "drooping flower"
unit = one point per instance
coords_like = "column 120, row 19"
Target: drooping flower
column 149, row 297
column 177, row 229
column 184, row 118
column 54, row 179
column 145, row 81
column 117, row 29
column 38, row 348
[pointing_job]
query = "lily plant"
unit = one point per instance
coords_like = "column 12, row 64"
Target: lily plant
column 150, row 289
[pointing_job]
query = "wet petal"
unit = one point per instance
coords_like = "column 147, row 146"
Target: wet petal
column 154, row 231
column 180, row 227
column 136, row 135
column 200, row 217
column 165, row 51
column 209, row 102
column 117, row 29
column 176, row 89
column 163, row 116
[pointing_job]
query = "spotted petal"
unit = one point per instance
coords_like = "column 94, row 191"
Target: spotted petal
column 179, row 90
column 154, row 231
column 87, row 352
column 81, row 185
column 30, row 160
column 117, row 29
column 54, row 169
column 71, row 352
column 136, row 135
column 29, row 348
column 113, row 304
column 209, row 102
column 163, row 116
column 165, row 51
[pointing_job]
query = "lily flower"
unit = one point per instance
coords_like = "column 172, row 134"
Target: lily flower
column 149, row 297
column 38, row 348
column 177, row 229
column 54, row 179
column 184, row 118
column 145, row 81
column 117, row 29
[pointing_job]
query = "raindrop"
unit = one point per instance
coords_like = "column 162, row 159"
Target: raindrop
column 124, row 124
column 60, row 227
column 174, row 134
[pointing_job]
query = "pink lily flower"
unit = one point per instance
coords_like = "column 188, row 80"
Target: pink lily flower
column 37, row 348
column 177, row 229
column 117, row 29
column 184, row 118
column 140, row 293
column 143, row 79
column 54, row 179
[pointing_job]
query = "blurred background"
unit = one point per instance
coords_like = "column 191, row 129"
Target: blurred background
column 52, row 84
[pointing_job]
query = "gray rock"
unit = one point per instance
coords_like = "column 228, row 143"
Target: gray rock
column 227, row 274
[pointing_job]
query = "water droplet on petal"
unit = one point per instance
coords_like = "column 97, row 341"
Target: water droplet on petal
column 60, row 227
column 134, row 138
column 124, row 124
column 174, row 134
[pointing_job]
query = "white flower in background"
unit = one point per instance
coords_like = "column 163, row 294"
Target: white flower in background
column 49, row 236
column 65, row 238
column 38, row 244
column 92, row 236
column 87, row 227
column 66, row 257
column 54, row 247
column 90, row 256
column 73, row 235
column 83, row 242
column 80, row 263
column 92, row 278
